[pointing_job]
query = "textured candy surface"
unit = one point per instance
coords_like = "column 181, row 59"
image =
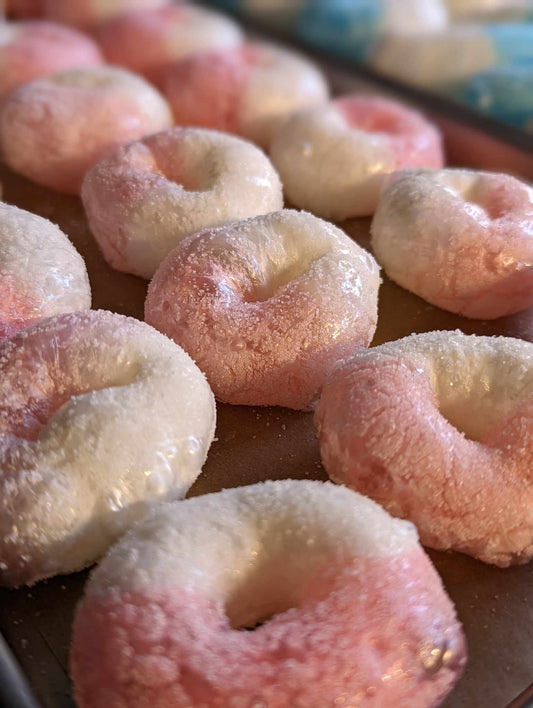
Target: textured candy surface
column 100, row 416
column 352, row 610
column 438, row 429
column 332, row 159
column 52, row 130
column 166, row 34
column 145, row 198
column 32, row 49
column 41, row 273
column 460, row 239
column 247, row 90
column 266, row 306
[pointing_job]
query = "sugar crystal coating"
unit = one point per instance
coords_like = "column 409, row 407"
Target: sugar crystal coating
column 267, row 306
column 462, row 240
column 145, row 198
column 41, row 273
column 53, row 129
column 438, row 428
column 352, row 610
column 332, row 159
column 100, row 416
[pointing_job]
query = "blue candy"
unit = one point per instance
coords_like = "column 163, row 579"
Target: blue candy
column 348, row 28
column 505, row 94
column 512, row 43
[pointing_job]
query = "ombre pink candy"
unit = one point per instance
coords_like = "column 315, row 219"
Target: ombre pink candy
column 332, row 159
column 29, row 50
column 149, row 195
column 352, row 611
column 460, row 239
column 41, row 273
column 164, row 34
column 247, row 90
column 100, row 417
column 53, row 129
column 267, row 306
column 438, row 429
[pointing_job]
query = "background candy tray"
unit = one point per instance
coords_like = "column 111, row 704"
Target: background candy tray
column 253, row 444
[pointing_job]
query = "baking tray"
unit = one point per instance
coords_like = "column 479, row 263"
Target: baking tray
column 254, row 444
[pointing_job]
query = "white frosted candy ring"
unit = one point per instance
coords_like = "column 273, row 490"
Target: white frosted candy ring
column 438, row 428
column 100, row 416
column 267, row 306
column 53, row 129
column 462, row 240
column 332, row 158
column 350, row 606
column 166, row 35
column 41, row 273
column 144, row 199
column 246, row 90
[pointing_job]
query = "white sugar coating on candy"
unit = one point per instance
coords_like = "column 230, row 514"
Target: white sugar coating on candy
column 53, row 129
column 267, row 306
column 33, row 48
column 166, row 34
column 460, row 239
column 332, row 159
column 288, row 528
column 149, row 195
column 100, row 416
column 477, row 380
column 246, row 90
column 41, row 273
column 426, row 59
column 343, row 593
column 87, row 13
column 437, row 427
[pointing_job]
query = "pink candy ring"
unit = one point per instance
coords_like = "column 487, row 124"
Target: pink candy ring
column 32, row 49
column 144, row 199
column 244, row 91
column 165, row 34
column 88, row 13
column 438, row 428
column 100, row 417
column 462, row 240
column 352, row 611
column 41, row 273
column 332, row 159
column 54, row 129
column 267, row 306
